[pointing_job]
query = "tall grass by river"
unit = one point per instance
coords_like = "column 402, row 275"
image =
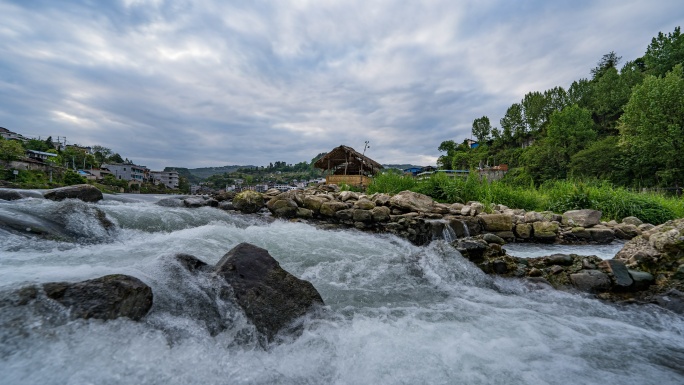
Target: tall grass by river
column 558, row 196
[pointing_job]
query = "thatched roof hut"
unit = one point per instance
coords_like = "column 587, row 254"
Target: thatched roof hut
column 345, row 161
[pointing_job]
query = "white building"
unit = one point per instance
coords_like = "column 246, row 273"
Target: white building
column 169, row 179
column 127, row 171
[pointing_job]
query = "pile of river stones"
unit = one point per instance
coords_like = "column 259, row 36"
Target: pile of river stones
column 420, row 219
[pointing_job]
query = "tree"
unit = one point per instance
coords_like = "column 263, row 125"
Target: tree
column 37, row 145
column 556, row 99
column 570, row 131
column 652, row 126
column 481, row 129
column 664, row 52
column 184, row 185
column 115, row 158
column 445, row 161
column 603, row 159
column 608, row 61
column 71, row 178
column 10, row 150
column 533, row 111
column 610, row 94
column 580, row 93
column 513, row 123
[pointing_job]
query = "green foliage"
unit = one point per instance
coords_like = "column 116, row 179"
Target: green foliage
column 391, row 183
column 613, row 202
column 481, row 129
column 664, row 52
column 603, row 159
column 440, row 187
column 28, row 179
column 608, row 61
column 38, row 145
column 513, row 123
column 10, row 150
column 110, row 180
column 183, row 185
column 534, row 111
column 610, row 93
column 652, row 126
column 70, row 178
column 557, row 196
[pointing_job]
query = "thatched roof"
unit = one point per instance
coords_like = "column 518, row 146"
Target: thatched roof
column 344, row 160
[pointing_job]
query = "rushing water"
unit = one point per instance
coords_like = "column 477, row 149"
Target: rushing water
column 396, row 313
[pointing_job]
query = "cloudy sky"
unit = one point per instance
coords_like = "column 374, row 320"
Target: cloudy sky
column 200, row 83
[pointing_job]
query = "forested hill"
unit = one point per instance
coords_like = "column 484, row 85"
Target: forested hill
column 625, row 124
column 206, row 172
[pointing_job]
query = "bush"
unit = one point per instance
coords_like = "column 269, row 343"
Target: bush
column 391, row 183
column 70, row 178
column 557, row 196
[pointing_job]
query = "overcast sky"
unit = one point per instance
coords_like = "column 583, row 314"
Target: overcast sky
column 200, row 83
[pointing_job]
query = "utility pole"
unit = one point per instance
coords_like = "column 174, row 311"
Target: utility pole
column 363, row 156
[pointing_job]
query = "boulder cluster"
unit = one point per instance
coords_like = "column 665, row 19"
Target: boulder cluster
column 648, row 269
column 419, row 218
column 270, row 297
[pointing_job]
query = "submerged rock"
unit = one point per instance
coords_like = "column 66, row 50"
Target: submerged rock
column 270, row 296
column 108, row 297
column 84, row 192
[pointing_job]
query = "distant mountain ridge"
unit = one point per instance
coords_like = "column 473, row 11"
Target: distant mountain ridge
column 400, row 166
column 197, row 174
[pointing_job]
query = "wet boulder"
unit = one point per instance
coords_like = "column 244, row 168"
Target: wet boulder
column 591, row 281
column 270, row 296
column 10, row 194
column 583, row 218
column 409, row 201
column 108, row 297
column 84, row 192
column 248, row 202
column 329, row 209
column 170, row 202
column 282, row 206
column 545, row 231
column 601, row 235
column 497, row 222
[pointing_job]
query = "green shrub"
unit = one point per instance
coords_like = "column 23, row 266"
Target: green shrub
column 70, row 178
column 391, row 183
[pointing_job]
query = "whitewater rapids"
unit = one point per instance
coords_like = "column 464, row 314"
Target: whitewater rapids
column 396, row 313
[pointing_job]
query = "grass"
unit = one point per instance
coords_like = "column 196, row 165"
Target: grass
column 557, row 196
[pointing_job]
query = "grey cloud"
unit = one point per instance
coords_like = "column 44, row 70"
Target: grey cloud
column 201, row 83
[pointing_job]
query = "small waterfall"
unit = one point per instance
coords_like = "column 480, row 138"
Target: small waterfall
column 448, row 233
column 466, row 231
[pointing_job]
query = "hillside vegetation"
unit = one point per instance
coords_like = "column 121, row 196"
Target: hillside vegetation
column 624, row 125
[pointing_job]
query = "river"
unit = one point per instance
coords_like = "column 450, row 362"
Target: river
column 396, row 313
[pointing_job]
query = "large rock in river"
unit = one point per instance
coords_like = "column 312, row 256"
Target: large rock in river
column 108, row 297
column 270, row 296
column 582, row 218
column 84, row 192
column 248, row 202
column 411, row 201
column 282, row 206
column 660, row 252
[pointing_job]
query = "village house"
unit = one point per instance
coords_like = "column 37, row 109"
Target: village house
column 128, row 171
column 169, row 179
column 7, row 134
